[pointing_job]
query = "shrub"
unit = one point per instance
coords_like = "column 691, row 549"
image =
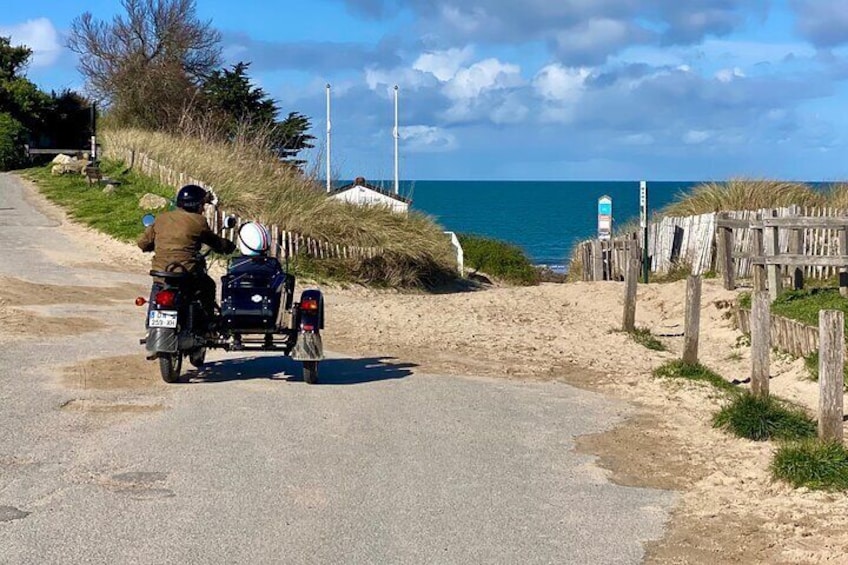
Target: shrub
column 13, row 136
column 762, row 418
column 499, row 259
column 812, row 464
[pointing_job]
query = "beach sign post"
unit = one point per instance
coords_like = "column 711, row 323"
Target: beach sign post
column 604, row 218
column 643, row 222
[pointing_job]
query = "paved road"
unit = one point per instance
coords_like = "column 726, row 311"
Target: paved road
column 246, row 464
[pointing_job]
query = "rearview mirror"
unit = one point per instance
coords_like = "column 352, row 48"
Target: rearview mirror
column 230, row 222
column 148, row 220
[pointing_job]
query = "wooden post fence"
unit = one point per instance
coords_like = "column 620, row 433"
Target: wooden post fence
column 631, row 277
column 724, row 248
column 692, row 319
column 831, row 363
column 760, row 343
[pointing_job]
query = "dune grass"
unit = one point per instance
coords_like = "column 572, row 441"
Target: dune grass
column 415, row 251
column 743, row 194
column 760, row 419
column 813, row 464
column 644, row 337
column 677, row 369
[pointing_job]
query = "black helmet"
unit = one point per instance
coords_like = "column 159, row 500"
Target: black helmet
column 191, row 198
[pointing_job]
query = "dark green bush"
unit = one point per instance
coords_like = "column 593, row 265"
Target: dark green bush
column 12, row 139
column 499, row 259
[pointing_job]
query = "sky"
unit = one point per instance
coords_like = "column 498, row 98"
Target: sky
column 531, row 89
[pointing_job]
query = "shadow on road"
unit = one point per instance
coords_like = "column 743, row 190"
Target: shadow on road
column 330, row 372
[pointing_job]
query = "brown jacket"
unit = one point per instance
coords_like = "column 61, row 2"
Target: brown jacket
column 176, row 236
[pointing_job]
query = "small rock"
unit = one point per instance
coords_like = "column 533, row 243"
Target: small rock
column 62, row 159
column 152, row 202
column 109, row 189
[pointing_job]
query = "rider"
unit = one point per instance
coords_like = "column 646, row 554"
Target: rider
column 176, row 237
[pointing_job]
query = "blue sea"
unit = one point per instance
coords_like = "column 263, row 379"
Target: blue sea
column 544, row 218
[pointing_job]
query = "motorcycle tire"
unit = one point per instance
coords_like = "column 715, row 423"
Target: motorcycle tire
column 310, row 372
column 197, row 357
column 170, row 365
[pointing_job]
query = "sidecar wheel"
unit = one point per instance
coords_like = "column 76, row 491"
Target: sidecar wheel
column 310, row 372
column 170, row 365
column 197, row 357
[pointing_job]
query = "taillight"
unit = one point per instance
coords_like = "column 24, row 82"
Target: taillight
column 310, row 305
column 165, row 298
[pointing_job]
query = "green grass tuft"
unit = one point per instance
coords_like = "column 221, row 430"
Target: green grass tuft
column 677, row 369
column 761, row 419
column 812, row 464
column 644, row 337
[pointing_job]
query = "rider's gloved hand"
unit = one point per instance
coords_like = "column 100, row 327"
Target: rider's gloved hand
column 229, row 247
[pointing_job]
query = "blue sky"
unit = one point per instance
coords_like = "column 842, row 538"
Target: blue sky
column 533, row 89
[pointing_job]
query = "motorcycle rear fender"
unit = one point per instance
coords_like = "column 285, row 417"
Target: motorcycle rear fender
column 161, row 340
column 315, row 320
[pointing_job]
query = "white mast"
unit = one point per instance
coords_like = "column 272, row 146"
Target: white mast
column 396, row 135
column 329, row 129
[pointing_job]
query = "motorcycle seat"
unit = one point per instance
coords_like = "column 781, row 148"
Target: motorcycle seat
column 169, row 275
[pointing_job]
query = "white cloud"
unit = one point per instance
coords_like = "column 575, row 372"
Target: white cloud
column 426, row 139
column 558, row 83
column 39, row 35
column 487, row 75
column 443, row 64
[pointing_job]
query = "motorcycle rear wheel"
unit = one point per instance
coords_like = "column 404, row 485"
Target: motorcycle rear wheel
column 310, row 372
column 170, row 365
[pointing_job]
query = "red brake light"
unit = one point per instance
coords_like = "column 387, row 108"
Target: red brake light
column 165, row 298
column 311, row 305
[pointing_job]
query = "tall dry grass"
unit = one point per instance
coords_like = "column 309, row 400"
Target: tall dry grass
column 254, row 184
column 743, row 194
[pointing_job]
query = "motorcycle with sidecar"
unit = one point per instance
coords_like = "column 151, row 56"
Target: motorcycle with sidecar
column 257, row 311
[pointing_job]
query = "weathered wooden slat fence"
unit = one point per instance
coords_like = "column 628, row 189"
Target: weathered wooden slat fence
column 284, row 243
column 797, row 243
column 791, row 336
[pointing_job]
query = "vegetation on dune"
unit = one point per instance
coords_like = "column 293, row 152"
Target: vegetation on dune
column 498, row 259
column 643, row 336
column 247, row 180
column 764, row 418
column 743, row 194
column 813, row 464
column 677, row 369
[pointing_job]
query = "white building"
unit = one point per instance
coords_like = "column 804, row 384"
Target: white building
column 363, row 194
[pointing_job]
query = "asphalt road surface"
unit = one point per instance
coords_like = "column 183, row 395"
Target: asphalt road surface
column 248, row 464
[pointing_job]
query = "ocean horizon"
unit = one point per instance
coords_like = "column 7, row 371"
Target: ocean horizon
column 544, row 218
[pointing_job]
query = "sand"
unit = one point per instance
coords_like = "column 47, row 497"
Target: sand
column 730, row 510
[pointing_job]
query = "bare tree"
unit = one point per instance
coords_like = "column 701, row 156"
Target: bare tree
column 146, row 64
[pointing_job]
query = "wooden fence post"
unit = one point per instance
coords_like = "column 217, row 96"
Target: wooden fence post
column 757, row 252
column 831, row 363
column 843, row 271
column 724, row 246
column 597, row 261
column 693, row 319
column 796, row 239
column 772, row 244
column 760, row 343
column 631, row 277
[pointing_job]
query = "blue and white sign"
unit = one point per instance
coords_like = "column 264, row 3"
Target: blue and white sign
column 604, row 218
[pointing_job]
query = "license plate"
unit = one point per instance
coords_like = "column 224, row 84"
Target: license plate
column 162, row 319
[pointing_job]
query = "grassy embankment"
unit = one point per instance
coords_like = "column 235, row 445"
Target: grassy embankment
column 415, row 252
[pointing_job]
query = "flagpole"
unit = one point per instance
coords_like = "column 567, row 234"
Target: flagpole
column 329, row 129
column 396, row 135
